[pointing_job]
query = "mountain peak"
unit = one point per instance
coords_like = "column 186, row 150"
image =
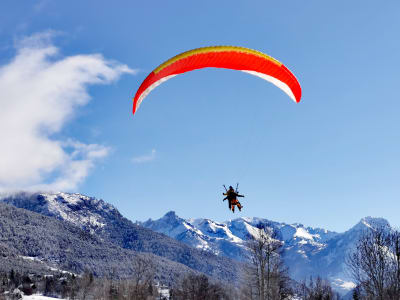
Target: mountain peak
column 375, row 222
column 171, row 214
column 370, row 222
column 172, row 218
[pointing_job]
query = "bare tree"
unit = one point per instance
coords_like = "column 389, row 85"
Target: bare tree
column 318, row 289
column 142, row 281
column 266, row 273
column 375, row 264
column 86, row 285
column 393, row 290
column 198, row 287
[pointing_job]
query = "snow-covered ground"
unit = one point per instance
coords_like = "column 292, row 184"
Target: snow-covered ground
column 38, row 297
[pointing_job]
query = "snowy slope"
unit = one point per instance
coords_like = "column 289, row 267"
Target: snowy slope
column 38, row 297
column 85, row 212
column 104, row 222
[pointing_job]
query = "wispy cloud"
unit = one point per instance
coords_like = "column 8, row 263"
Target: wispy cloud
column 145, row 158
column 39, row 93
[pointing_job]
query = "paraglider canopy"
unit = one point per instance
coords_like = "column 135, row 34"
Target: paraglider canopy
column 229, row 57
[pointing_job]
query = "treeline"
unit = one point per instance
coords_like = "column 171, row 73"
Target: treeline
column 14, row 285
column 71, row 286
column 141, row 285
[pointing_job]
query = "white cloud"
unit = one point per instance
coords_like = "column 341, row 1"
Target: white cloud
column 39, row 92
column 145, row 158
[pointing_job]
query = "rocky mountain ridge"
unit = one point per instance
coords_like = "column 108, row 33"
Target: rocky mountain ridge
column 307, row 251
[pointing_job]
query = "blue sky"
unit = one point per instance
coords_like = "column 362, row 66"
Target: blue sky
column 327, row 162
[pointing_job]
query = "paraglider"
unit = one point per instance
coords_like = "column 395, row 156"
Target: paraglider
column 229, row 57
column 231, row 196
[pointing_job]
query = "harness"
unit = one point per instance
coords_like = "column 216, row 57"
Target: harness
column 235, row 201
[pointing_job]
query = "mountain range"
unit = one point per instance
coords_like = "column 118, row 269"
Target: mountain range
column 73, row 232
column 307, row 251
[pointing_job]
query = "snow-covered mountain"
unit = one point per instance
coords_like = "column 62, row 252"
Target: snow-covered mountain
column 228, row 238
column 307, row 251
column 104, row 221
column 85, row 212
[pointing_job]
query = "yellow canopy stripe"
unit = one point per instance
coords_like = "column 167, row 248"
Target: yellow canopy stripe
column 204, row 50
